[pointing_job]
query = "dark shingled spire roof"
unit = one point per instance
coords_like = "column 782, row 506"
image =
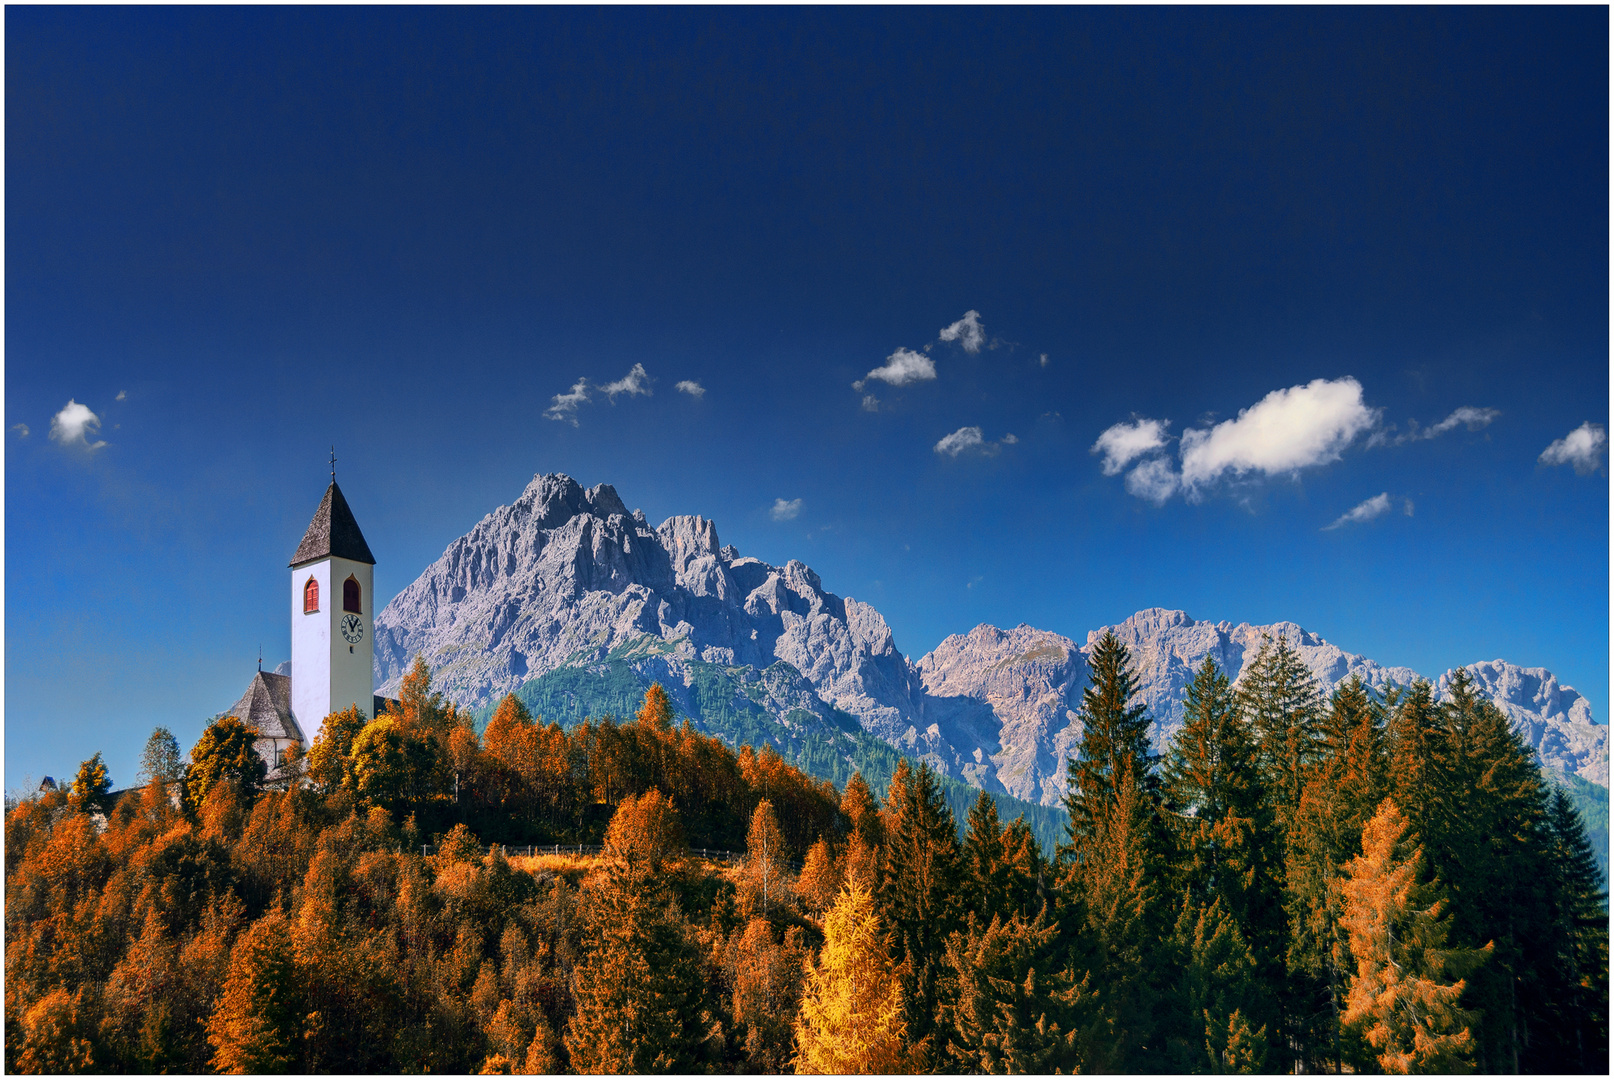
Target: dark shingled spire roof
column 333, row 532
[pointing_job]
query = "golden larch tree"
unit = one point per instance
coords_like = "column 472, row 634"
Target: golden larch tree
column 851, row 1011
column 1408, row 981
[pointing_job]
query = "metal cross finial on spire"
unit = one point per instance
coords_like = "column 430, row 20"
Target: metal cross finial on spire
column 260, row 659
column 333, row 464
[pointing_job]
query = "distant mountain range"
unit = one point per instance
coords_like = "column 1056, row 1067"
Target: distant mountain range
column 576, row 603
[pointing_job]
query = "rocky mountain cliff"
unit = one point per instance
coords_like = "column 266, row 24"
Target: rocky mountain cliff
column 567, row 582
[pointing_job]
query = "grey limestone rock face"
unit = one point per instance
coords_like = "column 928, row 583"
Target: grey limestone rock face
column 567, row 576
column 564, row 576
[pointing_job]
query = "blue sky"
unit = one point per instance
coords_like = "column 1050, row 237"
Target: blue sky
column 1235, row 272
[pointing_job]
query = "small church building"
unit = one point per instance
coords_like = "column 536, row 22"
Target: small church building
column 332, row 656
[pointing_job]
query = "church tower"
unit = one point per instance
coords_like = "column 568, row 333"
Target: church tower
column 332, row 604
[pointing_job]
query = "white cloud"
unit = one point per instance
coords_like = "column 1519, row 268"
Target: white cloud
column 965, row 438
column 634, row 382
column 901, row 368
column 1583, row 448
column 21, row 430
column 75, row 425
column 1285, row 431
column 871, row 403
column 1123, row 443
column 566, row 405
column 1468, row 416
column 1154, row 480
column 785, row 511
column 967, row 331
column 121, row 395
column 690, row 387
column 1043, row 359
column 972, row 438
column 1366, row 510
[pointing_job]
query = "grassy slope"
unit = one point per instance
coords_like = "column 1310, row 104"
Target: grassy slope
column 719, row 702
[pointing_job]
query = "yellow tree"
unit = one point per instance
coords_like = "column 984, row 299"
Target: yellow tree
column 1408, row 981
column 765, row 869
column 820, row 878
column 851, row 1011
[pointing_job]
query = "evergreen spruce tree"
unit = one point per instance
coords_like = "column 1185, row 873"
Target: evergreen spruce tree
column 1010, row 1005
column 1218, row 991
column 1115, row 733
column 639, row 984
column 1414, row 737
column 1407, row 991
column 1116, row 862
column 1278, row 696
column 919, row 893
column 1575, row 964
column 1120, row 877
column 1227, row 847
column 1002, row 866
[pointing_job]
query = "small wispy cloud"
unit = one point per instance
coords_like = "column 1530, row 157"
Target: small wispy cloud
column 900, row 369
column 1043, row 359
column 565, row 405
column 871, row 403
column 121, row 395
column 968, row 332
column 965, row 438
column 75, row 426
column 690, row 387
column 785, row 510
column 1366, row 510
column 1121, row 444
column 21, row 430
column 1582, row 448
column 971, row 438
column 1467, row 416
column 635, row 382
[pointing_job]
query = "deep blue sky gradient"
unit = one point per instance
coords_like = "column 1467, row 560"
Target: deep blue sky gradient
column 404, row 230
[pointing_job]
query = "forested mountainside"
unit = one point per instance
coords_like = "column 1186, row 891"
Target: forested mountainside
column 1366, row 882
column 555, row 595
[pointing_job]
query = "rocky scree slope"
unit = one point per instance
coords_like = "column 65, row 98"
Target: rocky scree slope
column 566, row 579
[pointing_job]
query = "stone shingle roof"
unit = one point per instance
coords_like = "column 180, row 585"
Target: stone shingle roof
column 267, row 706
column 333, row 532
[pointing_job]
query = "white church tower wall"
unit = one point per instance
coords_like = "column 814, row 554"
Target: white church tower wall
column 332, row 609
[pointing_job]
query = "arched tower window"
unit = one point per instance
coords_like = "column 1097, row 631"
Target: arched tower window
column 310, row 597
column 351, row 595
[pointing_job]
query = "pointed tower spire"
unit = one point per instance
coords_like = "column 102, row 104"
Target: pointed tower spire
column 333, row 532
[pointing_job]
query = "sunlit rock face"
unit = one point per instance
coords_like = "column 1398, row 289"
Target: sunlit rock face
column 569, row 577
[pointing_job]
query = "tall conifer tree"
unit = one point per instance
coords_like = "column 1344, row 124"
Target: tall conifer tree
column 920, row 893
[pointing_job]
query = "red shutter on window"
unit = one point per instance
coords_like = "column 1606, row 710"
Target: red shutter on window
column 350, row 596
column 310, row 596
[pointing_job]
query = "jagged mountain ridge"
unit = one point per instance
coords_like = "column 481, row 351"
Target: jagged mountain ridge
column 567, row 577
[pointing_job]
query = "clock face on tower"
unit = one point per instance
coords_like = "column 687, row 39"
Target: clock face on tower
column 352, row 628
